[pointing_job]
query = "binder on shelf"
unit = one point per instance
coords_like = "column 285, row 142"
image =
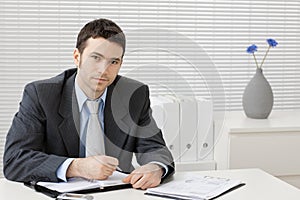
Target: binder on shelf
column 188, row 129
column 187, row 126
column 166, row 114
column 205, row 129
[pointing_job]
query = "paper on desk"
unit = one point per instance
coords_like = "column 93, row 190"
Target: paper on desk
column 77, row 184
column 195, row 187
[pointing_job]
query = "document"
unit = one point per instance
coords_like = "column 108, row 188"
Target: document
column 195, row 187
column 77, row 184
column 81, row 185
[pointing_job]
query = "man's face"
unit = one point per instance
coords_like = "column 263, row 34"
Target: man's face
column 98, row 65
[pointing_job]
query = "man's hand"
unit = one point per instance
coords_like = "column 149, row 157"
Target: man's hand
column 94, row 167
column 146, row 176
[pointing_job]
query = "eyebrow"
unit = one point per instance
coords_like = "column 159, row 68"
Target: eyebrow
column 99, row 54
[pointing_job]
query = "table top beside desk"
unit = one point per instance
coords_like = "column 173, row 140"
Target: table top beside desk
column 259, row 186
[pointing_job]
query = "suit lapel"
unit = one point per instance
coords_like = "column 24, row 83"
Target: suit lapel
column 69, row 127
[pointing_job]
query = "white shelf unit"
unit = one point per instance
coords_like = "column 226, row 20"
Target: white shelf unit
column 271, row 144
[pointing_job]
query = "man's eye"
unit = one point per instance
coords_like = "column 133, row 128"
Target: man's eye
column 114, row 62
column 96, row 58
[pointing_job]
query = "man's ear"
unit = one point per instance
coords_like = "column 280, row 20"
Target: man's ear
column 76, row 57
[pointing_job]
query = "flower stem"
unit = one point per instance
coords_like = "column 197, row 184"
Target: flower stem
column 265, row 57
column 255, row 60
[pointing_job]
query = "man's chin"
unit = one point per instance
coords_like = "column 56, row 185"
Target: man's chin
column 100, row 89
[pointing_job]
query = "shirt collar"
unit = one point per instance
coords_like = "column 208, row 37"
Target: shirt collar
column 81, row 97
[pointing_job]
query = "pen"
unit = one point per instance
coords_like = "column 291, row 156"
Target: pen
column 119, row 169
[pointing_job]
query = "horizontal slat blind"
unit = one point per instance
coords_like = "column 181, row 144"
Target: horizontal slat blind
column 181, row 47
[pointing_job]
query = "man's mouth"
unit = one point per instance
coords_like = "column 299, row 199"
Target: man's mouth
column 101, row 79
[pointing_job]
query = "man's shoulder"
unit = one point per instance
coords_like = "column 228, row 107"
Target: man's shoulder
column 59, row 79
column 128, row 81
column 125, row 88
column 53, row 86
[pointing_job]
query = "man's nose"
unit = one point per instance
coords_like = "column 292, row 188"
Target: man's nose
column 102, row 66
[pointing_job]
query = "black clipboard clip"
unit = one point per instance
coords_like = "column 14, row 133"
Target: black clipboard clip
column 33, row 185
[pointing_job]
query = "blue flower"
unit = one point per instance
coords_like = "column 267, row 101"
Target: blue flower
column 252, row 48
column 272, row 42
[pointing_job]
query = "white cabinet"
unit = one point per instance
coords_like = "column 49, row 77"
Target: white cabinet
column 271, row 144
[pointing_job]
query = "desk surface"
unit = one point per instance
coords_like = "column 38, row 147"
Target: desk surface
column 259, row 186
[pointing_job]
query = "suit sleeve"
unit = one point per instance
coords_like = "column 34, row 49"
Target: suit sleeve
column 150, row 143
column 24, row 158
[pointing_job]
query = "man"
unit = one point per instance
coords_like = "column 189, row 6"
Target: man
column 48, row 138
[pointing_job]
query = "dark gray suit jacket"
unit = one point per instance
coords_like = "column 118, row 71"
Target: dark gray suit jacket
column 44, row 132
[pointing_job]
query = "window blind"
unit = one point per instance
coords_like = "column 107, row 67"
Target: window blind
column 181, row 47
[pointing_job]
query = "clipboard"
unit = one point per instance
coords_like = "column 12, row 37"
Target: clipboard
column 54, row 193
column 80, row 185
column 196, row 187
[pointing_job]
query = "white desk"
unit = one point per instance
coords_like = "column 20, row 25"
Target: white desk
column 259, row 186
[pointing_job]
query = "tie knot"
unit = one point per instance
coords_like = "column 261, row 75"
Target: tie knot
column 93, row 106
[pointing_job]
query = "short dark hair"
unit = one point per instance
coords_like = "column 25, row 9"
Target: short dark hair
column 100, row 28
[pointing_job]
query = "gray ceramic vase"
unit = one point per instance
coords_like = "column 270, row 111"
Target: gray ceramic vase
column 258, row 97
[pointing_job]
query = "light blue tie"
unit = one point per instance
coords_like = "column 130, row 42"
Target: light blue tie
column 94, row 133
